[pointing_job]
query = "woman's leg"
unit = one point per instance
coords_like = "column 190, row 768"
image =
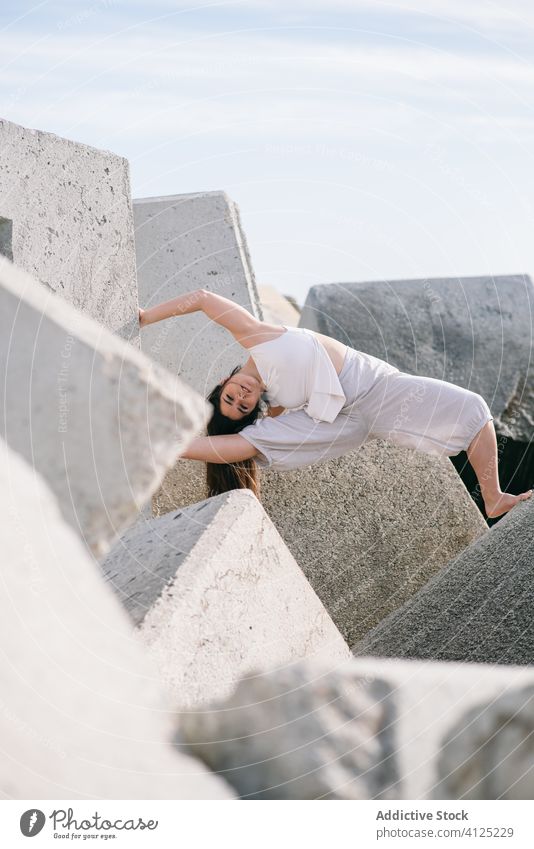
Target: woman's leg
column 441, row 418
column 482, row 454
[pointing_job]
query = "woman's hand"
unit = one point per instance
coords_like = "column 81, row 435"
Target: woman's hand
column 142, row 321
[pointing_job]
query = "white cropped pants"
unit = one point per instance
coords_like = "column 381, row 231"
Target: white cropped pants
column 421, row 413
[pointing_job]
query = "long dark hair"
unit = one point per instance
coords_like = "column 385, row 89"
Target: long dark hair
column 221, row 477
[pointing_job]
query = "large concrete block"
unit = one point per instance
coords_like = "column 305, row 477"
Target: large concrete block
column 277, row 309
column 478, row 608
column 489, row 752
column 82, row 714
column 183, row 243
column 96, row 418
column 372, row 729
column 215, row 592
column 368, row 529
column 300, row 733
column 66, row 218
column 474, row 331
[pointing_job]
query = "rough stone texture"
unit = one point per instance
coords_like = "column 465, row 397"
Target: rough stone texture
column 96, row 418
column 277, row 309
column 306, row 732
column 215, row 593
column 70, row 212
column 368, row 529
column 183, row 243
column 82, row 714
column 473, row 331
column 478, row 608
column 300, row 733
column 489, row 753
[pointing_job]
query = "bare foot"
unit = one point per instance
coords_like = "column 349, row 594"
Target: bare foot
column 503, row 502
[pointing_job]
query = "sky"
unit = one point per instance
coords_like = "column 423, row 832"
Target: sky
column 361, row 139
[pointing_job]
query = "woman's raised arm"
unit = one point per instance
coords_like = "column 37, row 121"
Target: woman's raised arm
column 235, row 318
column 219, row 449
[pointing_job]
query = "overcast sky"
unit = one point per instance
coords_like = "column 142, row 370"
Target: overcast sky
column 361, row 139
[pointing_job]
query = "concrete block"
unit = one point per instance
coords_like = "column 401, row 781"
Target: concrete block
column 489, row 752
column 68, row 221
column 473, row 331
column 215, row 592
column 277, row 309
column 478, row 608
column 300, row 733
column 368, row 530
column 183, row 243
column 82, row 715
column 371, row 729
column 96, row 418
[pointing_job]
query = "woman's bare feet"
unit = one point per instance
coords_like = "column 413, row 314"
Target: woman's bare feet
column 503, row 502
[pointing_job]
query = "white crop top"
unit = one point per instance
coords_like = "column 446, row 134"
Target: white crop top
column 298, row 372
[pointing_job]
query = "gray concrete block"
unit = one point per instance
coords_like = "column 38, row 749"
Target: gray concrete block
column 474, row 331
column 96, row 418
column 369, row 529
column 478, row 608
column 300, row 733
column 306, row 732
column 183, row 243
column 277, row 309
column 215, row 592
column 69, row 223
column 489, row 752
column 82, row 714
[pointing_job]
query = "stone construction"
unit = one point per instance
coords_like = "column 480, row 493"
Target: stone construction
column 183, row 243
column 277, row 309
column 474, row 331
column 368, row 529
column 215, row 592
column 387, row 730
column 489, row 753
column 300, row 733
column 66, row 218
column 478, row 608
column 96, row 418
column 82, row 714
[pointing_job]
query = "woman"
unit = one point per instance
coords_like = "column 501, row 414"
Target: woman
column 325, row 399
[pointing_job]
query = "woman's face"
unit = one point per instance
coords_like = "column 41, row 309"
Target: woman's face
column 239, row 395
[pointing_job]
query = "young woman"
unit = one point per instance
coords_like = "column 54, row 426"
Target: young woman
column 303, row 397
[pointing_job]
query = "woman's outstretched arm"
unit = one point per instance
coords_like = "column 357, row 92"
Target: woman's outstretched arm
column 235, row 318
column 219, row 449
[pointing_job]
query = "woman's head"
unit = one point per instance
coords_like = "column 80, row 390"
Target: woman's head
column 239, row 395
column 236, row 403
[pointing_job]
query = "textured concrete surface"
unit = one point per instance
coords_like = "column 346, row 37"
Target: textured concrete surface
column 277, row 309
column 368, row 529
column 215, row 593
column 97, row 419
column 393, row 718
column 473, row 331
column 300, row 733
column 183, row 243
column 82, row 714
column 489, row 753
column 478, row 608
column 69, row 210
